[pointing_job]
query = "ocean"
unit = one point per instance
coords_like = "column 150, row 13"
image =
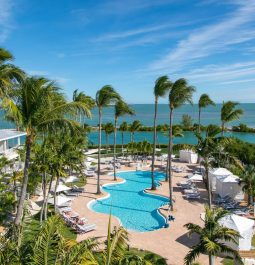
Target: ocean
column 145, row 112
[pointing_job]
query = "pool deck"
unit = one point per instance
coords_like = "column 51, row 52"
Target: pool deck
column 172, row 243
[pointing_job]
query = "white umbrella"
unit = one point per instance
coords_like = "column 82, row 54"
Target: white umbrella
column 71, row 179
column 59, row 200
column 196, row 177
column 90, row 159
column 61, row 187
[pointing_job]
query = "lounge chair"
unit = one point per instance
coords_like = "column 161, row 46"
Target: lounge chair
column 194, row 196
column 70, row 193
column 85, row 228
column 78, row 189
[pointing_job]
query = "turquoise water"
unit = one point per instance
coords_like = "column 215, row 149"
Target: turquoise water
column 135, row 209
column 145, row 112
column 189, row 137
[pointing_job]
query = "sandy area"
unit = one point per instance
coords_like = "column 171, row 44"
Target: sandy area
column 172, row 243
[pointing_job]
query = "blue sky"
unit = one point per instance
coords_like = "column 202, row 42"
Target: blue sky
column 86, row 44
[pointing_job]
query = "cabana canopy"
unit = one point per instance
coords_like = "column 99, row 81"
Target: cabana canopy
column 242, row 225
column 217, row 172
column 71, row 179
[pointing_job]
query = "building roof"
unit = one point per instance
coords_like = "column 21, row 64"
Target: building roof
column 220, row 171
column 7, row 134
column 237, row 223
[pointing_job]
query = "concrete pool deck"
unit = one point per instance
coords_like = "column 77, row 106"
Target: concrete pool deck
column 172, row 243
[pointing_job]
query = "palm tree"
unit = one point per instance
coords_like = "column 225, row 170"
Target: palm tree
column 104, row 97
column 9, row 74
column 37, row 105
column 83, row 98
column 134, row 126
column 51, row 246
column 162, row 86
column 206, row 149
column 176, row 132
column 212, row 237
column 115, row 244
column 180, row 94
column 121, row 109
column 123, row 128
column 108, row 129
column 204, row 101
column 229, row 113
column 248, row 181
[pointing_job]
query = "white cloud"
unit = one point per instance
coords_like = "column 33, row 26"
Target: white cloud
column 6, row 7
column 211, row 39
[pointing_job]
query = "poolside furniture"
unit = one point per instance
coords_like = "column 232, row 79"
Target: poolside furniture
column 85, row 228
column 71, row 194
column 33, row 208
column 89, row 173
column 192, row 196
column 78, row 189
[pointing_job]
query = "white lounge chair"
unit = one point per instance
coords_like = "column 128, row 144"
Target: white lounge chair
column 85, row 228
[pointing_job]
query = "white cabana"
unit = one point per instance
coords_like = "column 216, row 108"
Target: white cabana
column 71, row 179
column 217, row 172
column 229, row 185
column 188, row 156
column 60, row 200
column 196, row 177
column 242, row 225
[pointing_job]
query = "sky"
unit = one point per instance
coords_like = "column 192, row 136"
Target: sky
column 86, row 44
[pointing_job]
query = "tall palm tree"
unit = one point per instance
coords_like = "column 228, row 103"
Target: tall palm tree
column 121, row 108
column 134, row 126
column 83, row 98
column 229, row 113
column 248, row 181
column 204, row 101
column 176, row 132
column 206, row 149
column 123, row 128
column 9, row 74
column 104, row 97
column 162, row 86
column 212, row 237
column 108, row 129
column 179, row 94
column 37, row 105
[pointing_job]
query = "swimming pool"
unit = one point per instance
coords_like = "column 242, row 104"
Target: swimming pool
column 127, row 201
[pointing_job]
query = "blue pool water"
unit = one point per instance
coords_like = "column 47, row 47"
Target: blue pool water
column 135, row 209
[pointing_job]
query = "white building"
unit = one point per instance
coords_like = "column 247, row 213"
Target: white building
column 188, row 156
column 9, row 140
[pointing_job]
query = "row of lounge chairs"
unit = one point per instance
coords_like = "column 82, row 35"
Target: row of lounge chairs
column 189, row 189
column 231, row 205
column 80, row 225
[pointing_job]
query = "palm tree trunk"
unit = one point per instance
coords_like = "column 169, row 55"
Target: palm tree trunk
column 222, row 128
column 122, row 141
column 99, row 151
column 44, row 187
column 199, row 119
column 170, row 149
column 106, row 138
column 211, row 260
column 55, row 195
column 25, row 182
column 114, row 148
column 166, row 177
column 47, row 198
column 153, row 187
column 209, row 189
